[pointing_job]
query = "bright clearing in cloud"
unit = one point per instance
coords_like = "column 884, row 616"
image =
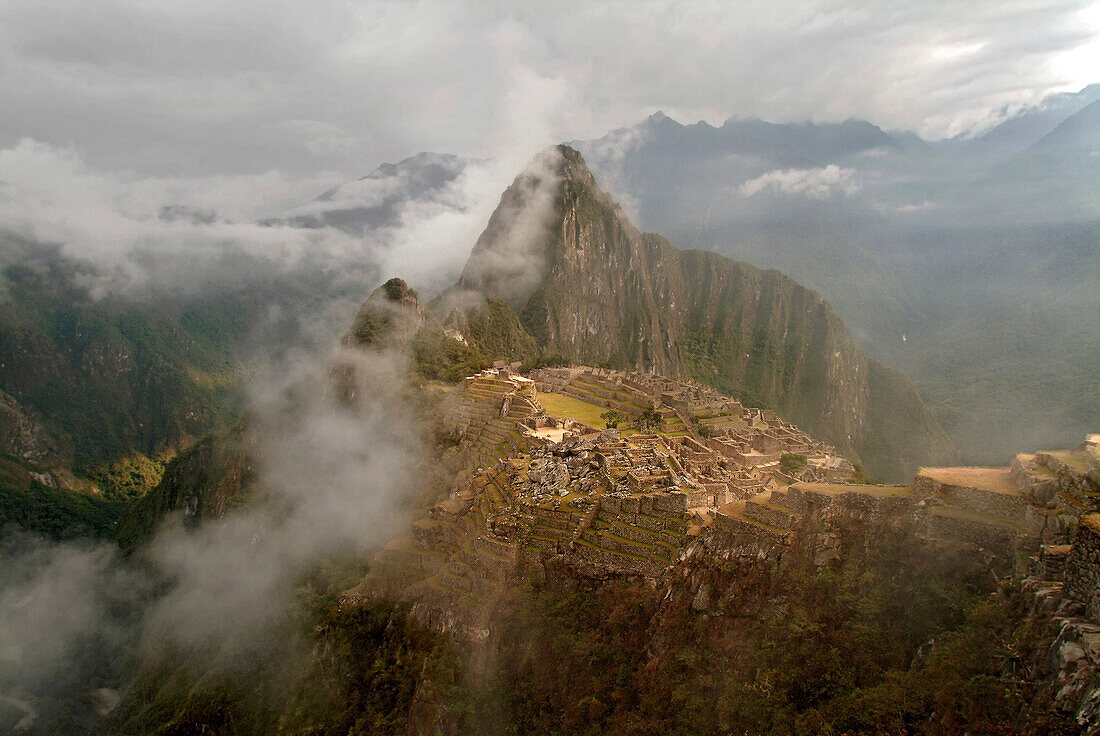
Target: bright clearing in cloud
column 820, row 183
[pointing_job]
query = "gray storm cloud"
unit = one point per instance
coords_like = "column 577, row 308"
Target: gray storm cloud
column 308, row 86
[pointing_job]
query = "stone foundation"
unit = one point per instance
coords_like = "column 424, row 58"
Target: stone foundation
column 1082, row 567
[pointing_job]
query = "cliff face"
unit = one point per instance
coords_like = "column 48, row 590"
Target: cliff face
column 592, row 289
column 203, row 482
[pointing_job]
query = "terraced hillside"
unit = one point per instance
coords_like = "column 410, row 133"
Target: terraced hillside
column 489, row 413
column 604, row 504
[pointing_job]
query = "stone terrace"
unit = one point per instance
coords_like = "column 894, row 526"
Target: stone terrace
column 493, row 405
column 770, row 516
column 604, row 501
column 753, row 438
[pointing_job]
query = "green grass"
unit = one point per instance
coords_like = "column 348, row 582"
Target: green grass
column 563, row 406
column 568, row 407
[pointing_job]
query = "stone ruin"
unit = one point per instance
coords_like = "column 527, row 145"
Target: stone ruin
column 1022, row 518
column 490, row 414
column 751, row 437
column 606, row 502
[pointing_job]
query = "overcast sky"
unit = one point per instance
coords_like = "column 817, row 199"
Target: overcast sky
column 217, row 87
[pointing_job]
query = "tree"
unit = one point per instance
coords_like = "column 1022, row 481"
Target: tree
column 648, row 421
column 612, row 418
column 792, row 463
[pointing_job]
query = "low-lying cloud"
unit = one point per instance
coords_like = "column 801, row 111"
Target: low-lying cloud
column 69, row 616
column 145, row 236
column 820, row 183
column 333, row 476
column 509, row 260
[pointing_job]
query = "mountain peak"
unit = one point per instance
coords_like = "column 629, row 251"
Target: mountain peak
column 391, row 315
column 590, row 288
column 510, row 258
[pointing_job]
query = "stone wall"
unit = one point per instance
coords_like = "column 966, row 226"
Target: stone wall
column 618, row 562
column 664, row 503
column 633, row 511
column 737, row 530
column 1000, row 540
column 773, row 516
column 805, row 499
column 1051, row 562
column 695, row 498
column 983, row 501
column 1052, row 526
column 1083, row 566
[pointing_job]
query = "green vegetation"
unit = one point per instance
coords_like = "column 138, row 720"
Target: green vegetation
column 492, row 332
column 905, row 431
column 564, row 406
column 701, row 428
column 326, row 668
column 91, row 508
column 612, row 418
column 497, row 332
column 58, row 514
column 209, row 479
column 843, row 654
column 110, row 377
column 370, row 326
column 792, row 463
column 911, row 640
column 440, row 358
column 649, row 420
column 130, row 478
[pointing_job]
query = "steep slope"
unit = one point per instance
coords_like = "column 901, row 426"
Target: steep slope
column 203, row 482
column 1026, row 128
column 96, row 391
column 1061, row 171
column 595, row 290
column 111, row 376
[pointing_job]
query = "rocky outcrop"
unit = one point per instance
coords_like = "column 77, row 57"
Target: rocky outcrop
column 24, row 437
column 391, row 316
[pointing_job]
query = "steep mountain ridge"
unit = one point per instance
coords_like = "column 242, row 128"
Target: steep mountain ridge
column 604, row 293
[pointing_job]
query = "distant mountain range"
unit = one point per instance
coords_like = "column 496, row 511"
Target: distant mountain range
column 698, row 176
column 373, row 201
